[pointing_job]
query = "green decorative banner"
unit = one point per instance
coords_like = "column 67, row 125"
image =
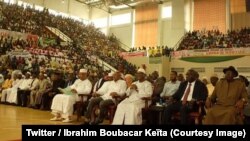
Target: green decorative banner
column 49, row 41
column 46, row 41
column 210, row 59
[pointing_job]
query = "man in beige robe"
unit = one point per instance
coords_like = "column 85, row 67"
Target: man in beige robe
column 228, row 99
column 36, row 94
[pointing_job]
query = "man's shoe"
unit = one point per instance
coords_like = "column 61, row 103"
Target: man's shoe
column 96, row 122
column 67, row 120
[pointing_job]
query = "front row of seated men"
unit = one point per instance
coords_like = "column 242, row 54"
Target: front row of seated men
column 62, row 104
column 228, row 97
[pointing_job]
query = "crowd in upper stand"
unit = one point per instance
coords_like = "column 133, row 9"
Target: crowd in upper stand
column 161, row 50
column 215, row 39
column 206, row 40
column 91, row 39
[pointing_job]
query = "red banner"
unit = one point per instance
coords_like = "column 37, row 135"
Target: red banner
column 132, row 54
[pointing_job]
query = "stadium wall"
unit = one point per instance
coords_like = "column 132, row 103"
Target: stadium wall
column 123, row 32
column 162, row 68
column 207, row 69
column 204, row 69
column 210, row 15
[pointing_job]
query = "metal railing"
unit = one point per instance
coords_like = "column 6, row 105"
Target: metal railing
column 59, row 33
column 124, row 46
column 103, row 64
column 176, row 46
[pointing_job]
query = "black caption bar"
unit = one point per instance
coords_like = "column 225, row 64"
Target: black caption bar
column 30, row 132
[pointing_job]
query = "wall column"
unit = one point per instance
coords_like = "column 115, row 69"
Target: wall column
column 160, row 32
column 178, row 23
column 228, row 16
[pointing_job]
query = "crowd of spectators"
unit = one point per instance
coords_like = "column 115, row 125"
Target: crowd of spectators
column 161, row 50
column 215, row 39
column 36, row 62
column 89, row 38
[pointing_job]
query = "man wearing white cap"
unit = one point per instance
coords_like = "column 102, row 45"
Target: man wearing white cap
column 110, row 89
column 129, row 110
column 24, row 89
column 62, row 105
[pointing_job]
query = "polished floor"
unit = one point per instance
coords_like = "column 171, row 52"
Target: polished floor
column 12, row 118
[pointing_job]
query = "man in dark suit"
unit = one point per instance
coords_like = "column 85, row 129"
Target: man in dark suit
column 186, row 97
column 70, row 79
column 100, row 82
column 57, row 82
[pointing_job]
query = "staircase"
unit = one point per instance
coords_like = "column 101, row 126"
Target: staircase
column 124, row 47
column 176, row 46
column 60, row 34
column 103, row 64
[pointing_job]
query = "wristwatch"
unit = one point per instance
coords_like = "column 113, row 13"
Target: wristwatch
column 243, row 99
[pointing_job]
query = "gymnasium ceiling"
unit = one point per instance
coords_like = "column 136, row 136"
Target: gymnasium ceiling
column 117, row 4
